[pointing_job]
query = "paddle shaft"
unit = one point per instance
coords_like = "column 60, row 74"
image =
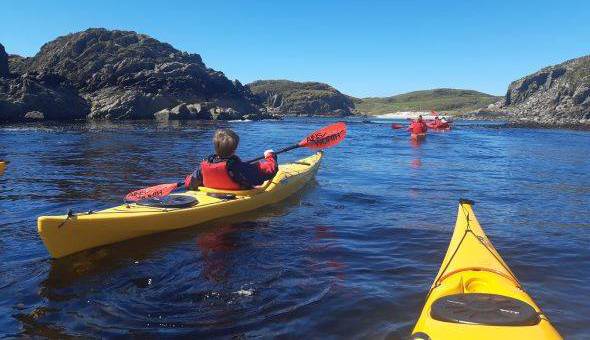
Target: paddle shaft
column 289, row 148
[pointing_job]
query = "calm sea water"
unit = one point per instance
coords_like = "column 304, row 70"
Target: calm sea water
column 352, row 255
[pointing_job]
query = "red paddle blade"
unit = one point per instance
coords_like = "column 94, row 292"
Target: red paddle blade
column 396, row 126
column 326, row 137
column 151, row 192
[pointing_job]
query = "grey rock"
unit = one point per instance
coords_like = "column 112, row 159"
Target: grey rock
column 261, row 116
column 224, row 113
column 48, row 93
column 125, row 75
column 555, row 95
column 4, row 71
column 162, row 115
column 118, row 104
column 181, row 111
column 200, row 110
column 296, row 98
column 34, row 115
column 195, row 108
column 17, row 65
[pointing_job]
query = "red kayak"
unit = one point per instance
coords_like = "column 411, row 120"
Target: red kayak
column 439, row 126
column 418, row 136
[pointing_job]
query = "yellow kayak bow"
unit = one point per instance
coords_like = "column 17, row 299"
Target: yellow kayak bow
column 475, row 294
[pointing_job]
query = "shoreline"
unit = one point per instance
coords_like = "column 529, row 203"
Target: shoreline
column 410, row 115
column 508, row 121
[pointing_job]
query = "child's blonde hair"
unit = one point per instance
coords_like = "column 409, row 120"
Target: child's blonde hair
column 226, row 142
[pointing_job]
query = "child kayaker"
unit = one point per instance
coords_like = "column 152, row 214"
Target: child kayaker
column 418, row 126
column 224, row 170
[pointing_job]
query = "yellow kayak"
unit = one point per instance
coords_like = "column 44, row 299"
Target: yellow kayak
column 68, row 234
column 2, row 166
column 476, row 296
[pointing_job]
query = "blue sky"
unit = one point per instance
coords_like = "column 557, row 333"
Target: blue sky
column 363, row 48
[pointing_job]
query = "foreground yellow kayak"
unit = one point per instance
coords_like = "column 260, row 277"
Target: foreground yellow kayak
column 68, row 234
column 2, row 166
column 476, row 296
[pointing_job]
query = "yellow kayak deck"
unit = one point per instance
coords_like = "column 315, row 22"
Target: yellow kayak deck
column 64, row 235
column 475, row 294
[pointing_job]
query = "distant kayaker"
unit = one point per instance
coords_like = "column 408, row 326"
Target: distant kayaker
column 438, row 123
column 418, row 126
column 224, row 170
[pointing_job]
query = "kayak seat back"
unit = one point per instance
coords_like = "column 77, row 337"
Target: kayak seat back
column 484, row 309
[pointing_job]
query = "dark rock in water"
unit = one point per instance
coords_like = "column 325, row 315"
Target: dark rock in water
column 163, row 115
column 558, row 94
column 47, row 93
column 125, row 75
column 34, row 115
column 262, row 116
column 200, row 110
column 309, row 98
column 179, row 112
column 224, row 113
column 4, row 71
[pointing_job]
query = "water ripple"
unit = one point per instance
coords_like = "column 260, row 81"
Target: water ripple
column 351, row 256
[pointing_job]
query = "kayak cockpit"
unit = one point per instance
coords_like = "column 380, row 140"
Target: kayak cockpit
column 170, row 201
column 484, row 309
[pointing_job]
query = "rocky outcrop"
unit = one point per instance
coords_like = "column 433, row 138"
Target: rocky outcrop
column 125, row 75
column 17, row 64
column 558, row 94
column 34, row 96
column 4, row 72
column 308, row 98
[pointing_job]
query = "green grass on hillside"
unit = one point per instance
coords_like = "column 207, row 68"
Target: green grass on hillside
column 438, row 99
column 295, row 91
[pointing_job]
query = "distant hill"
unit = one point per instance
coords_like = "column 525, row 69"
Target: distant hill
column 301, row 98
column 437, row 99
column 558, row 94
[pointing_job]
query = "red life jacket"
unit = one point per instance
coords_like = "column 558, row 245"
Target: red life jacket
column 215, row 176
column 417, row 127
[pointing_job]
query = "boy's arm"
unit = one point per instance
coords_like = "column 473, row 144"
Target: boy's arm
column 194, row 180
column 268, row 167
column 253, row 174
